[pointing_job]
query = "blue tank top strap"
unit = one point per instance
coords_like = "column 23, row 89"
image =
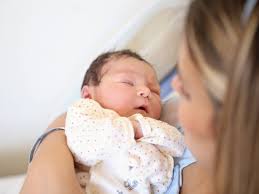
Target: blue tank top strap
column 180, row 163
column 40, row 139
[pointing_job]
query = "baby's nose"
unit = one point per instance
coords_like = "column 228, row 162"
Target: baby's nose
column 144, row 92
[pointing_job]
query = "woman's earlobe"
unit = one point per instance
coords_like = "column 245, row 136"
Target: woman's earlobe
column 85, row 92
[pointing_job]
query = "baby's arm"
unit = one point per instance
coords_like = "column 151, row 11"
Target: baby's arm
column 164, row 136
column 137, row 129
column 151, row 167
column 160, row 142
column 94, row 133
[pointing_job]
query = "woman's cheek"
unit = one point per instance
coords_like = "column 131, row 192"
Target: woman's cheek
column 184, row 117
column 196, row 123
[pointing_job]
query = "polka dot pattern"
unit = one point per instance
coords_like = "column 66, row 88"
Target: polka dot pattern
column 97, row 136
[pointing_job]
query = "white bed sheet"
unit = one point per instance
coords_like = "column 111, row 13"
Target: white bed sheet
column 11, row 184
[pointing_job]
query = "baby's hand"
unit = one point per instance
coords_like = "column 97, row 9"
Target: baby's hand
column 137, row 129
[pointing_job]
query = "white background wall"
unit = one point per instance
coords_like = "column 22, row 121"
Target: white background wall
column 45, row 48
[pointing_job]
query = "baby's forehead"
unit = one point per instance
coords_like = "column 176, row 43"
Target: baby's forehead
column 130, row 65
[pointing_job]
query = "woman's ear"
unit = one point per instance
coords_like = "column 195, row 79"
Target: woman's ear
column 86, row 92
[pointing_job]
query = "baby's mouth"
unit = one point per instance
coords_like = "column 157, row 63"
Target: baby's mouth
column 142, row 109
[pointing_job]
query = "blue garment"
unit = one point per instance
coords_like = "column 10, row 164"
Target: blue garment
column 180, row 163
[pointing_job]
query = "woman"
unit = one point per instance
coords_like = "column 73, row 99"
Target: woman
column 219, row 83
column 219, row 80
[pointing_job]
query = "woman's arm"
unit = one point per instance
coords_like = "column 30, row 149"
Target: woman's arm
column 52, row 169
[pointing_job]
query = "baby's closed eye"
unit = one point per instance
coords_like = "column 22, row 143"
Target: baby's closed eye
column 128, row 82
column 156, row 91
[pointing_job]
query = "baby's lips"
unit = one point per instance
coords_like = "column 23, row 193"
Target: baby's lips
column 141, row 111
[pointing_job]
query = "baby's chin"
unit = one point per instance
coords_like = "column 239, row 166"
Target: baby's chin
column 139, row 111
column 147, row 114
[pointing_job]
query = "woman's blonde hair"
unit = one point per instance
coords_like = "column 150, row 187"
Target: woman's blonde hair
column 223, row 41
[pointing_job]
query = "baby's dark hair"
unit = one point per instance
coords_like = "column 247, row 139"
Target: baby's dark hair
column 93, row 73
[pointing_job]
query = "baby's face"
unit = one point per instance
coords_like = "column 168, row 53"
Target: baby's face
column 129, row 86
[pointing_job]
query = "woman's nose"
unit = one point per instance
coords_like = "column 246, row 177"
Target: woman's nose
column 176, row 84
column 144, row 92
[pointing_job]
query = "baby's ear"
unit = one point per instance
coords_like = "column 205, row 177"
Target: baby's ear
column 86, row 92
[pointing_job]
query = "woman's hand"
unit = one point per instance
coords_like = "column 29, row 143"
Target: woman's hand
column 137, row 129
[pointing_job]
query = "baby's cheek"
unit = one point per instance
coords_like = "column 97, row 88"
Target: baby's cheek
column 156, row 108
column 159, row 113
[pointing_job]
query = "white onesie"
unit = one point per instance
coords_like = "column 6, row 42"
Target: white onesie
column 104, row 141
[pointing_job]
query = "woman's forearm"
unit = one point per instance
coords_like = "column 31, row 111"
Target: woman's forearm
column 52, row 168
